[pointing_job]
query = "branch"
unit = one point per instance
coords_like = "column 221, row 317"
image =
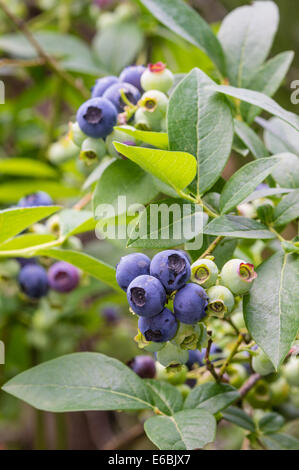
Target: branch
column 247, row 386
column 230, row 357
column 124, row 438
column 52, row 63
column 209, row 364
column 212, row 247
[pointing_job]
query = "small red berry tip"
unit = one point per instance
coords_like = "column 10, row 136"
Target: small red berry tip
column 157, row 68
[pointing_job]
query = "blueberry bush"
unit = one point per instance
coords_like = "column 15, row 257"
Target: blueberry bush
column 189, row 335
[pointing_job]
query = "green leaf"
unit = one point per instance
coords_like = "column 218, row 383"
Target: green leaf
column 271, row 422
column 260, row 193
column 12, row 191
column 250, row 139
column 267, row 80
column 286, row 173
column 212, row 397
column 117, row 46
column 80, row 382
column 26, row 167
column 92, row 266
column 176, row 169
column 26, row 241
column 200, row 123
column 158, row 139
column 280, row 441
column 187, row 23
column 271, row 309
column 169, row 231
column 239, row 417
column 121, row 178
column 288, row 209
column 96, row 174
column 237, row 227
column 14, row 221
column 279, row 136
column 73, row 53
column 164, row 396
column 73, row 222
column 246, row 36
column 186, row 430
column 259, row 99
column 244, row 182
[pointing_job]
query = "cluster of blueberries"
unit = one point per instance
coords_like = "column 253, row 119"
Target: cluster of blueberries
column 138, row 97
column 34, row 280
column 153, row 284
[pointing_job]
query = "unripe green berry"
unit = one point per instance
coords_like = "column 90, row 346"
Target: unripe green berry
column 279, row 391
column 75, row 133
column 154, row 103
column 176, row 375
column 172, row 355
column 237, row 275
column 221, row 301
column 247, row 210
column 184, row 389
column 63, row 150
column 204, row 272
column 53, row 224
column 147, row 121
column 157, row 77
column 291, row 371
column 259, row 396
column 118, row 136
column 92, row 149
column 265, row 210
column 262, row 364
column 237, row 374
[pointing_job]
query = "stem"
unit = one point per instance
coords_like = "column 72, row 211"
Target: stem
column 231, row 355
column 199, row 202
column 272, row 229
column 210, row 366
column 83, row 202
column 212, row 247
column 61, row 442
column 52, row 63
column 21, row 62
column 247, row 386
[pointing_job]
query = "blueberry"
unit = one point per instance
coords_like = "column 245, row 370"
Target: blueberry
column 111, row 315
column 33, row 280
column 204, row 272
column 97, row 117
column 237, row 275
column 131, row 266
column 132, row 75
column 198, row 357
column 146, row 296
column 63, row 277
column 25, row 261
column 40, row 198
column 157, row 77
column 113, row 94
column 172, row 268
column 160, row 328
column 221, row 301
column 144, row 366
column 190, row 303
column 102, row 84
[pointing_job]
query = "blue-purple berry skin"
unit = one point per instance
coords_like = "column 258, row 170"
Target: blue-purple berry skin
column 40, row 198
column 111, row 315
column 172, row 268
column 131, row 266
column 97, row 117
column 63, row 277
column 160, row 328
column 102, row 84
column 33, row 281
column 146, row 296
column 25, row 261
column 132, row 75
column 190, row 303
column 113, row 94
column 144, row 366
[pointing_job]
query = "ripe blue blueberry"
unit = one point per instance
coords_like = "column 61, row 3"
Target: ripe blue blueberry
column 144, row 366
column 40, row 198
column 25, row 261
column 130, row 267
column 172, row 268
column 102, row 84
column 33, row 281
column 132, row 75
column 111, row 315
column 113, row 94
column 97, row 117
column 160, row 328
column 190, row 303
column 63, row 277
column 146, row 296
column 198, row 357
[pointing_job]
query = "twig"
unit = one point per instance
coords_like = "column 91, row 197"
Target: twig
column 209, row 364
column 53, row 64
column 83, row 202
column 212, row 247
column 247, row 386
column 231, row 355
column 22, row 63
column 124, row 438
